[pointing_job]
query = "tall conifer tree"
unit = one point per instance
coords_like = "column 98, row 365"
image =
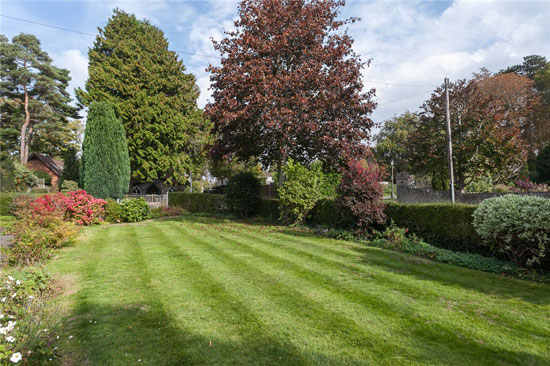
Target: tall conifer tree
column 131, row 68
column 105, row 162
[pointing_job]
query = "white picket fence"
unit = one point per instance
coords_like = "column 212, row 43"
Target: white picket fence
column 154, row 200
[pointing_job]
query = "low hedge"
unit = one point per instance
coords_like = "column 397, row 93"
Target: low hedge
column 198, row 202
column 6, row 199
column 444, row 225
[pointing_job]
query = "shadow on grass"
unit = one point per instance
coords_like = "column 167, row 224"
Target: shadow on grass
column 450, row 275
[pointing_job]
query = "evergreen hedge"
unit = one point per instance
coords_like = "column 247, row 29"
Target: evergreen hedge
column 105, row 162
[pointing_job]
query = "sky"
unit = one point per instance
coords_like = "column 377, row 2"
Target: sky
column 412, row 46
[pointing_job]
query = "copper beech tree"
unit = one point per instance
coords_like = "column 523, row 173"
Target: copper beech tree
column 289, row 86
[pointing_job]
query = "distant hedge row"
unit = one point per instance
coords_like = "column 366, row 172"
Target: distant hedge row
column 443, row 225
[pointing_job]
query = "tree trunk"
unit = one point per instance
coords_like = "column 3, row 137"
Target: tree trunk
column 23, row 153
column 281, row 163
column 29, row 141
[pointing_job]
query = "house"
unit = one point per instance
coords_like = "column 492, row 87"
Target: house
column 46, row 164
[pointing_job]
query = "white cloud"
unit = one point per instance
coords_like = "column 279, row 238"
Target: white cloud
column 77, row 64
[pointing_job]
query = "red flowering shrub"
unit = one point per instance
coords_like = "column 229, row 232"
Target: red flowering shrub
column 82, row 208
column 360, row 192
column 78, row 207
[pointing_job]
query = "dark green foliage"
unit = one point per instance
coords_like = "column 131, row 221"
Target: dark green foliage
column 43, row 175
column 329, row 214
column 105, row 163
column 134, row 210
column 113, row 211
column 198, row 202
column 45, row 123
column 542, row 166
column 444, row 225
column 7, row 175
column 69, row 186
column 243, row 194
column 131, row 67
column 5, row 203
column 518, row 227
column 269, row 209
column 71, row 166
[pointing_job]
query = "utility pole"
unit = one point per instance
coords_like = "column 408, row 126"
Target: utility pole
column 449, row 142
column 391, row 178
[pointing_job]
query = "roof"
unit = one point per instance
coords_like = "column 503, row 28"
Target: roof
column 56, row 166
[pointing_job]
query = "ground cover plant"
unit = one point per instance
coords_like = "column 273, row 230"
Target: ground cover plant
column 207, row 291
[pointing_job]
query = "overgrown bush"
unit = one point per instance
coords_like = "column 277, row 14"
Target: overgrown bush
column 113, row 211
column 518, row 227
column 361, row 193
column 25, row 330
column 243, row 194
column 300, row 191
column 23, row 177
column 69, row 186
column 134, row 210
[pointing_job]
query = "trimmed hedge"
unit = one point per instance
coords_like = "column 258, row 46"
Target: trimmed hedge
column 329, row 214
column 444, row 225
column 198, row 202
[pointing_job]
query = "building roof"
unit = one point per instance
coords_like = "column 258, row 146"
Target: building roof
column 56, row 166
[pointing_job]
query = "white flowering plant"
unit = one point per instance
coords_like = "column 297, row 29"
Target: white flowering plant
column 25, row 335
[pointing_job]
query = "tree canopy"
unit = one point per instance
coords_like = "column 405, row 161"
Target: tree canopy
column 105, row 162
column 35, row 105
column 131, row 68
column 289, row 86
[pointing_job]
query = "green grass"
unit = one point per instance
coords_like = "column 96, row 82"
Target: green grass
column 204, row 291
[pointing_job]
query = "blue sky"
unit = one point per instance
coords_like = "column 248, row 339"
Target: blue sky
column 412, row 44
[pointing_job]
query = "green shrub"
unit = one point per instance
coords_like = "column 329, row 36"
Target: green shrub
column 43, row 175
column 299, row 192
column 134, row 210
column 269, row 209
column 5, row 203
column 24, row 177
column 198, row 202
column 328, row 213
column 444, row 225
column 69, row 186
column 516, row 226
column 243, row 194
column 113, row 211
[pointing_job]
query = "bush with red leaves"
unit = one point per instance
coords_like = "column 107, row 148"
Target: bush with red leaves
column 78, row 207
column 360, row 192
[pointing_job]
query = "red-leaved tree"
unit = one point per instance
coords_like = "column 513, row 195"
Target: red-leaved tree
column 360, row 192
column 289, row 85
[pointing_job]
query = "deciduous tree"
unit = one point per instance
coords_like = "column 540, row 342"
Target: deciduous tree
column 289, row 85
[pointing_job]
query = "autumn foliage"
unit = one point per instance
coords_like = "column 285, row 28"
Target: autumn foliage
column 289, row 86
column 360, row 192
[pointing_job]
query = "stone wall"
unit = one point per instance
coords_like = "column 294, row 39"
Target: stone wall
column 406, row 193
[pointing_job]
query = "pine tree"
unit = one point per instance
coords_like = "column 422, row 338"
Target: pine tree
column 132, row 69
column 71, row 166
column 105, row 162
column 35, row 103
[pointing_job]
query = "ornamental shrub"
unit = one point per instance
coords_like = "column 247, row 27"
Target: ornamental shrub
column 27, row 331
column 134, row 210
column 113, row 211
column 105, row 162
column 299, row 192
column 24, row 178
column 518, row 227
column 360, row 192
column 69, row 186
column 243, row 194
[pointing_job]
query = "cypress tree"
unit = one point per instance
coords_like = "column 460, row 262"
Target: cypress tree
column 105, row 162
column 131, row 68
column 71, row 166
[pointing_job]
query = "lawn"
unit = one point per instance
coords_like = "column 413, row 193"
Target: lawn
column 205, row 291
